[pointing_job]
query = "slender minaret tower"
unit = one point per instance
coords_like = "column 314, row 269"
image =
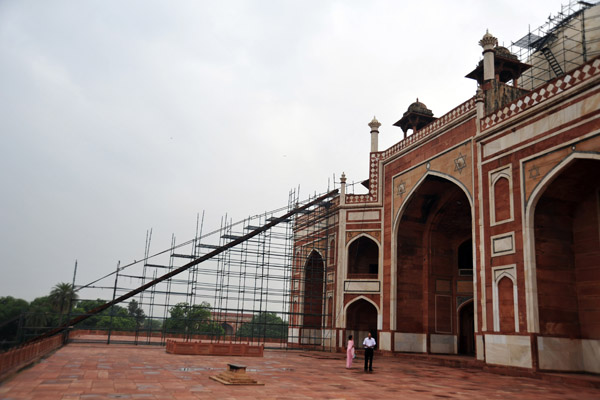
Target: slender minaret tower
column 374, row 125
column 488, row 42
column 343, row 189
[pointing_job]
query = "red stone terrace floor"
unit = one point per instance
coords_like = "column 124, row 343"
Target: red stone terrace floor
column 99, row 371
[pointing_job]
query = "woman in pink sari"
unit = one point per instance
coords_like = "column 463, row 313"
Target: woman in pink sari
column 349, row 352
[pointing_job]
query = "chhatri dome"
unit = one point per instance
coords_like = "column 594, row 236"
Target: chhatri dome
column 415, row 117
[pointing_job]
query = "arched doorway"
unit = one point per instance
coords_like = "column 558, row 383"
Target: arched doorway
column 363, row 259
column 361, row 318
column 227, row 328
column 567, row 255
column 466, row 312
column 466, row 329
column 434, row 264
column 312, row 313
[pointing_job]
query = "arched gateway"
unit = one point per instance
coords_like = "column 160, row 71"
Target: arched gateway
column 314, row 269
column 361, row 318
column 567, row 258
column 435, row 269
column 479, row 231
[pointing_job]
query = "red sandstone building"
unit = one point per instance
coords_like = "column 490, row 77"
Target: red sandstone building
column 480, row 231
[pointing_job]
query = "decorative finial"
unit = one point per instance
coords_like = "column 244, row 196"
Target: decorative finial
column 374, row 124
column 488, row 40
column 343, row 178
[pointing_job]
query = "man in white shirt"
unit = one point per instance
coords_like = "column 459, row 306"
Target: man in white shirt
column 369, row 345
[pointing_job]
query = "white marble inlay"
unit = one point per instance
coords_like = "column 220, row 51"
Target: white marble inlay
column 293, row 334
column 410, row 342
column 363, row 215
column 560, row 354
column 359, row 286
column 539, row 127
column 479, row 347
column 508, row 350
column 563, row 354
column 444, row 344
column 503, row 244
column 385, row 341
column 591, row 355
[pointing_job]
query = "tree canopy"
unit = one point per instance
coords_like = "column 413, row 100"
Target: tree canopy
column 136, row 312
column 195, row 319
column 265, row 325
column 21, row 320
column 123, row 319
column 11, row 310
column 62, row 298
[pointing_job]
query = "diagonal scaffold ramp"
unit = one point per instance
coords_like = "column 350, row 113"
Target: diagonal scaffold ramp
column 208, row 256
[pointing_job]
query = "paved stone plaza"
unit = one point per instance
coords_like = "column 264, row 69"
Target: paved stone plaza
column 96, row 371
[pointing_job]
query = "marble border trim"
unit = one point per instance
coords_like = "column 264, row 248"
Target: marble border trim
column 502, row 244
column 362, row 286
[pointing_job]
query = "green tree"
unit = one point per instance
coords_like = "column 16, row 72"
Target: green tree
column 119, row 321
column 265, row 325
column 123, row 319
column 195, row 319
column 40, row 315
column 62, row 297
column 11, row 310
column 136, row 312
column 154, row 324
column 84, row 307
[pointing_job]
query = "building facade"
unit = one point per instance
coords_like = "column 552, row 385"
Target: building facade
column 480, row 231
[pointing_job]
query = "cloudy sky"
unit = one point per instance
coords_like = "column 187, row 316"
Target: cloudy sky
column 121, row 116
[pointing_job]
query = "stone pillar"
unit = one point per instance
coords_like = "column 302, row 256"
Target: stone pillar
column 374, row 125
column 343, row 189
column 488, row 42
column 480, row 107
column 340, row 274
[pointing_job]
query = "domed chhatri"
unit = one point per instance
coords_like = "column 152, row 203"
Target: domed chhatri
column 503, row 52
column 415, row 117
column 498, row 63
column 419, row 107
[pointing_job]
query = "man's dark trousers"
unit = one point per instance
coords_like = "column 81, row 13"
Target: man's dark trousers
column 369, row 359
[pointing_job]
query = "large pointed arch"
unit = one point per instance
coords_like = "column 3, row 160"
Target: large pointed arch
column 529, row 237
column 313, row 290
column 430, row 227
column 395, row 226
column 416, row 187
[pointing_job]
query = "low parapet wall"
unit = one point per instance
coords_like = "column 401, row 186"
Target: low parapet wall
column 75, row 333
column 141, row 333
column 14, row 359
column 214, row 349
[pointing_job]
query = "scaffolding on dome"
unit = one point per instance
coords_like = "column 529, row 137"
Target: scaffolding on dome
column 559, row 45
column 245, row 293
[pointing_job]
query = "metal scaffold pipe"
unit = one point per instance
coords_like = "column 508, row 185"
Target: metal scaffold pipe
column 270, row 223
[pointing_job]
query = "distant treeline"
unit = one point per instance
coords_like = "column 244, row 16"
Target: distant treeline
column 21, row 320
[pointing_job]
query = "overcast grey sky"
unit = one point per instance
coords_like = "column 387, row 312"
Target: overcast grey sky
column 120, row 116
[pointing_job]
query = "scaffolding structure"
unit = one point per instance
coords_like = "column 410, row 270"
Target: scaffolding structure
column 248, row 292
column 559, row 45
